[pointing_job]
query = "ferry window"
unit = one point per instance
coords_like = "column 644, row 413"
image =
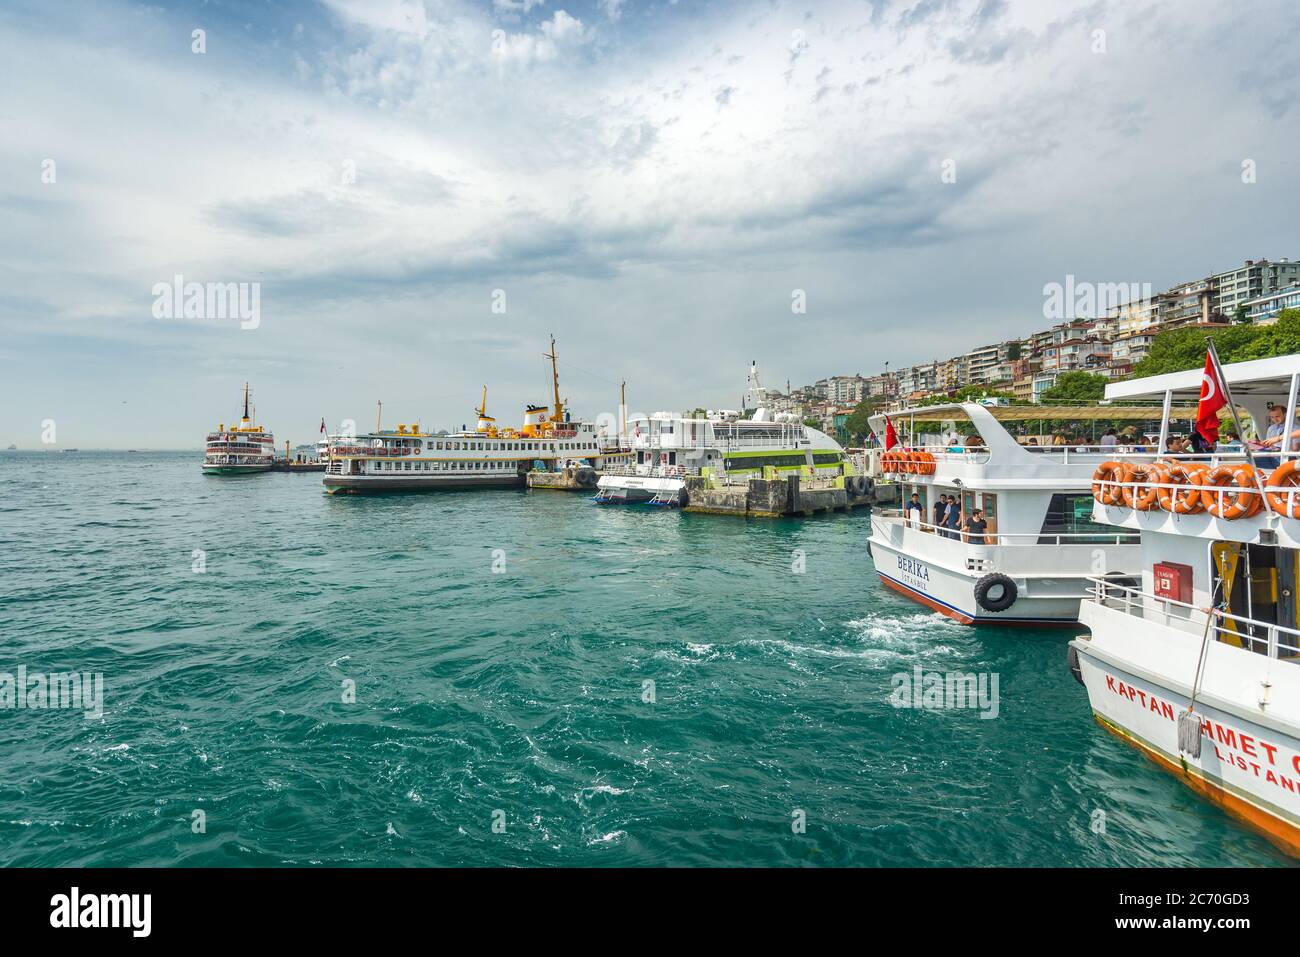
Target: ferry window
column 1072, row 515
column 440, row 445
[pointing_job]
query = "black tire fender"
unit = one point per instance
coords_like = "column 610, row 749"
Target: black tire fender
column 1072, row 657
column 995, row 582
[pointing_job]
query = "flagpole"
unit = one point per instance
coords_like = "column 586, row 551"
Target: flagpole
column 1236, row 421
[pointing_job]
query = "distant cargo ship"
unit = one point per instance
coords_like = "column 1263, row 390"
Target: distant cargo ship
column 240, row 450
column 408, row 459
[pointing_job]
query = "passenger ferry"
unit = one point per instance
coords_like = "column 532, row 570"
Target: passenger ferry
column 1040, row 546
column 241, row 449
column 1213, row 618
column 666, row 447
column 408, row 459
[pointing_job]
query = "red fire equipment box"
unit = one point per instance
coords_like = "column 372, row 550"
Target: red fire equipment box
column 1173, row 581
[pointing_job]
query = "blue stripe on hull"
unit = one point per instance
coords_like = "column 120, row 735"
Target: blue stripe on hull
column 978, row 620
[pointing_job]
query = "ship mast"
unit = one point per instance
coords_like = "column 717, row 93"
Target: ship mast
column 482, row 409
column 558, row 415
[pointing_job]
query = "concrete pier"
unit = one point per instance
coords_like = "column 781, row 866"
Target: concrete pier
column 571, row 479
column 779, row 497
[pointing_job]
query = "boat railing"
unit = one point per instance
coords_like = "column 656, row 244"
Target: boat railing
column 1282, row 496
column 1261, row 637
column 650, row 471
column 1012, row 539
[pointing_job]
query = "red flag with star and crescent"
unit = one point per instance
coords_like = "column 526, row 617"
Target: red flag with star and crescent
column 1214, row 396
column 891, row 437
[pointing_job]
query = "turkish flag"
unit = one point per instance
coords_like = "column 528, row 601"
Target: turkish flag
column 891, row 437
column 1214, row 396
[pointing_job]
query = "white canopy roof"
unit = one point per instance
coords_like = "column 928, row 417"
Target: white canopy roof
column 1259, row 377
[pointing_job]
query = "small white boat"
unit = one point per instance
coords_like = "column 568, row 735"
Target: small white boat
column 1040, row 546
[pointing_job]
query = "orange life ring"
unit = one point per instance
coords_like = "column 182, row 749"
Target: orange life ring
column 1242, row 502
column 1183, row 501
column 1108, row 472
column 1130, row 476
column 926, row 462
column 1106, row 494
column 1287, row 476
column 1146, row 497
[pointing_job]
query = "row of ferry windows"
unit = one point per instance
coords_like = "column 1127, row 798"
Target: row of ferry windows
column 500, row 446
column 442, row 466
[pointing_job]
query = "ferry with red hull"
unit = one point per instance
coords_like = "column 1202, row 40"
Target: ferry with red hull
column 1028, row 556
column 1197, row 664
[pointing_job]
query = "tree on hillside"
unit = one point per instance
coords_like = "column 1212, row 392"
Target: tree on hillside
column 857, row 426
column 1177, row 350
column 1013, row 352
column 1076, row 387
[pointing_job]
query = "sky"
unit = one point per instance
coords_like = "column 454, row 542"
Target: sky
column 421, row 192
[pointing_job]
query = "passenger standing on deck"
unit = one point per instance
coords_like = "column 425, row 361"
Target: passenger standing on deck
column 913, row 511
column 952, row 519
column 940, row 510
column 975, row 527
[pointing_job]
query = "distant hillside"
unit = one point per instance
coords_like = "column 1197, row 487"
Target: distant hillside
column 1179, row 349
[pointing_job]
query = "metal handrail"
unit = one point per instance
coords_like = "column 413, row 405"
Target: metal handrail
column 650, row 471
column 1010, row 539
column 1133, row 601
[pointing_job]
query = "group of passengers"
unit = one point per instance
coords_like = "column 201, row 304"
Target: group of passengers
column 948, row 520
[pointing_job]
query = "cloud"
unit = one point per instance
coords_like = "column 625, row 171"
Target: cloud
column 557, row 36
column 383, row 168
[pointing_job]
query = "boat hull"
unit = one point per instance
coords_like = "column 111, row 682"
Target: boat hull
column 1250, row 770
column 951, row 591
column 639, row 490
column 365, row 485
column 236, row 469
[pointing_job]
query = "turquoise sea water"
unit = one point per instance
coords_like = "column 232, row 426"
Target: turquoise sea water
column 518, row 696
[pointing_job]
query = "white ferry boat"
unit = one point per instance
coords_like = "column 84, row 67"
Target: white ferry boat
column 666, row 447
column 241, row 449
column 1213, row 619
column 408, row 459
column 1032, row 563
